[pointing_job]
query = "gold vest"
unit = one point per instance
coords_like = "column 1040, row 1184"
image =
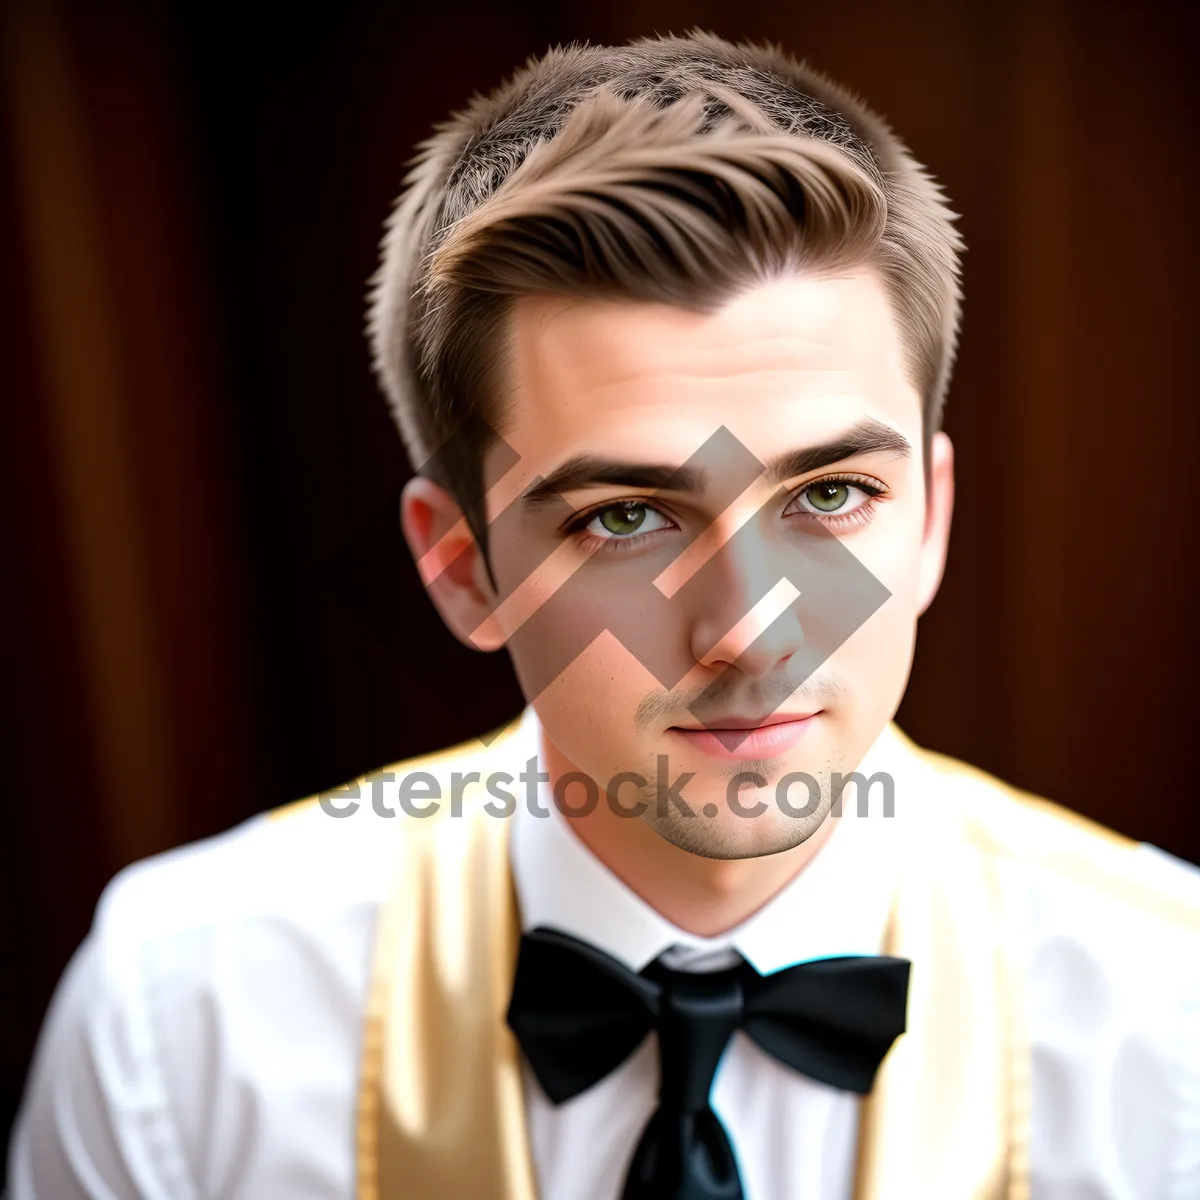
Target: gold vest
column 441, row 1106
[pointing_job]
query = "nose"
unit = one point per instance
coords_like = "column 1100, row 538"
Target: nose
column 746, row 613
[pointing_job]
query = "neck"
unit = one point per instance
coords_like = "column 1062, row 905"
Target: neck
column 703, row 896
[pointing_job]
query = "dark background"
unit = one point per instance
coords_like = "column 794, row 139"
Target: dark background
column 209, row 608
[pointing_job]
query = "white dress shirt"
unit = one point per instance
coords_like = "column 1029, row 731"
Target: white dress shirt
column 204, row 1043
column 792, row 1136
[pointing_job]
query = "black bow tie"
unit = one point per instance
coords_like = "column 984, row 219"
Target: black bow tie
column 578, row 1014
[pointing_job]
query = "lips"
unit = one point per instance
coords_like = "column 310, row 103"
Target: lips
column 734, row 723
column 751, row 738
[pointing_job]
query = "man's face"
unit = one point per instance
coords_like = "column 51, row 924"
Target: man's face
column 760, row 607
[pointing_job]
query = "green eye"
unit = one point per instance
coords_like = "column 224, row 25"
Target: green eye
column 828, row 496
column 622, row 518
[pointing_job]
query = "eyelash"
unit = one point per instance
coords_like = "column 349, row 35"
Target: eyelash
column 865, row 511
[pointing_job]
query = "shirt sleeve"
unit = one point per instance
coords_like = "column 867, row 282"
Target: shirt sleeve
column 1115, row 1032
column 96, row 1123
column 205, row 1041
column 1183, row 1166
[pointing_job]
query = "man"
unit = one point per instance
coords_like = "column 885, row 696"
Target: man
column 668, row 328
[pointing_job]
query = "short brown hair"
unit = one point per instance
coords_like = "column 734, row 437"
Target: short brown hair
column 676, row 169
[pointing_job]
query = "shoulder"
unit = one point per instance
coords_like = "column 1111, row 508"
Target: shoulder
column 314, row 872
column 178, row 1017
column 1107, row 934
column 279, row 875
column 178, row 1020
column 1042, row 840
column 318, row 860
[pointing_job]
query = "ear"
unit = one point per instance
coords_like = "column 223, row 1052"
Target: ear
column 939, row 508
column 450, row 563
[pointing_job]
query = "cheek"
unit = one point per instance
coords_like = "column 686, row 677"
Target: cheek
column 588, row 709
column 591, row 633
column 891, row 551
column 555, row 616
column 880, row 652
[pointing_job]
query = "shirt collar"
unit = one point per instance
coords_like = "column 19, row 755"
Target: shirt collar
column 838, row 904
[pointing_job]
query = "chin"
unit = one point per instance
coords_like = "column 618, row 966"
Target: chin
column 727, row 835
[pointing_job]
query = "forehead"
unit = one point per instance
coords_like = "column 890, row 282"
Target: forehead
column 783, row 364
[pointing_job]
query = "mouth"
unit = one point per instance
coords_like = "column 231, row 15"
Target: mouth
column 732, row 722
column 744, row 738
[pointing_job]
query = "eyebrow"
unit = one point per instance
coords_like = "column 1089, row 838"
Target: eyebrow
column 867, row 436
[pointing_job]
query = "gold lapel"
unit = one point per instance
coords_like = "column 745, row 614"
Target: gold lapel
column 441, row 1104
column 948, row 1116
